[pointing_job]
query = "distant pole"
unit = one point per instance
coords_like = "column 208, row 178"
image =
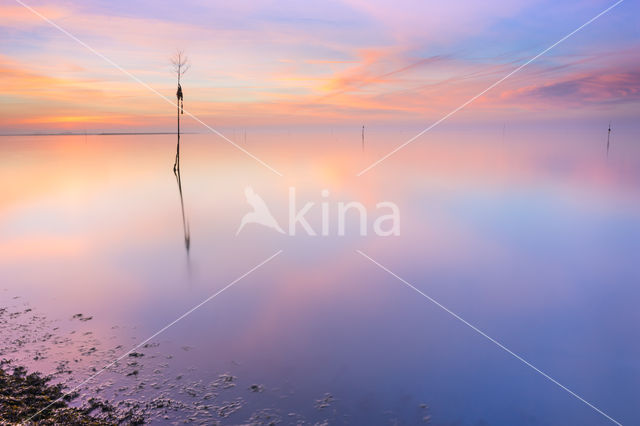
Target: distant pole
column 363, row 138
column 608, row 138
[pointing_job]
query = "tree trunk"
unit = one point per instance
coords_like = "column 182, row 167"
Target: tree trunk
column 176, row 164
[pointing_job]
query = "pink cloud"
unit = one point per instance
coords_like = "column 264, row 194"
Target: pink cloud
column 613, row 87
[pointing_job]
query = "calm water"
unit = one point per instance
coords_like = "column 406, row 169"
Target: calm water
column 533, row 237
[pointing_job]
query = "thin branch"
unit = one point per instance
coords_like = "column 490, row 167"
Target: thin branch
column 180, row 63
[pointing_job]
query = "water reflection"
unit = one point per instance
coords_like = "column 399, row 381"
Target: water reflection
column 176, row 163
column 535, row 240
column 185, row 221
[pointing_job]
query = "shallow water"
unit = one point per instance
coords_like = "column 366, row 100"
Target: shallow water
column 531, row 236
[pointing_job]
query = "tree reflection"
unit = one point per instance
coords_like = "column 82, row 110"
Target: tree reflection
column 185, row 221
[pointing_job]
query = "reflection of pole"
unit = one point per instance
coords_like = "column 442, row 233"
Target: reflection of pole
column 185, row 224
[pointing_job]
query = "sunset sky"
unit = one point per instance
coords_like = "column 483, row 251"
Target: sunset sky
column 258, row 63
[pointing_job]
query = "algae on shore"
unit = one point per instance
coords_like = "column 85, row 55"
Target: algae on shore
column 31, row 398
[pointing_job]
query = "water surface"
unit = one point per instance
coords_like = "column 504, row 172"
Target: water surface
column 533, row 237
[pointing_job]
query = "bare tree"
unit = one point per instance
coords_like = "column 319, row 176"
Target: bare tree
column 181, row 64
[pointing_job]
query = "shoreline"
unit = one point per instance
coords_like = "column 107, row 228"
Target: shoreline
column 31, row 398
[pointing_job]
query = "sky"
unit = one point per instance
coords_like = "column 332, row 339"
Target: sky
column 297, row 63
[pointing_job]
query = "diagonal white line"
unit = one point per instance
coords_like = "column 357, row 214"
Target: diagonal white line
column 162, row 330
column 100, row 55
column 491, row 339
column 399, row 147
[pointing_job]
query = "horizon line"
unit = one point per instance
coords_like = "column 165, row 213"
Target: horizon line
column 96, row 133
